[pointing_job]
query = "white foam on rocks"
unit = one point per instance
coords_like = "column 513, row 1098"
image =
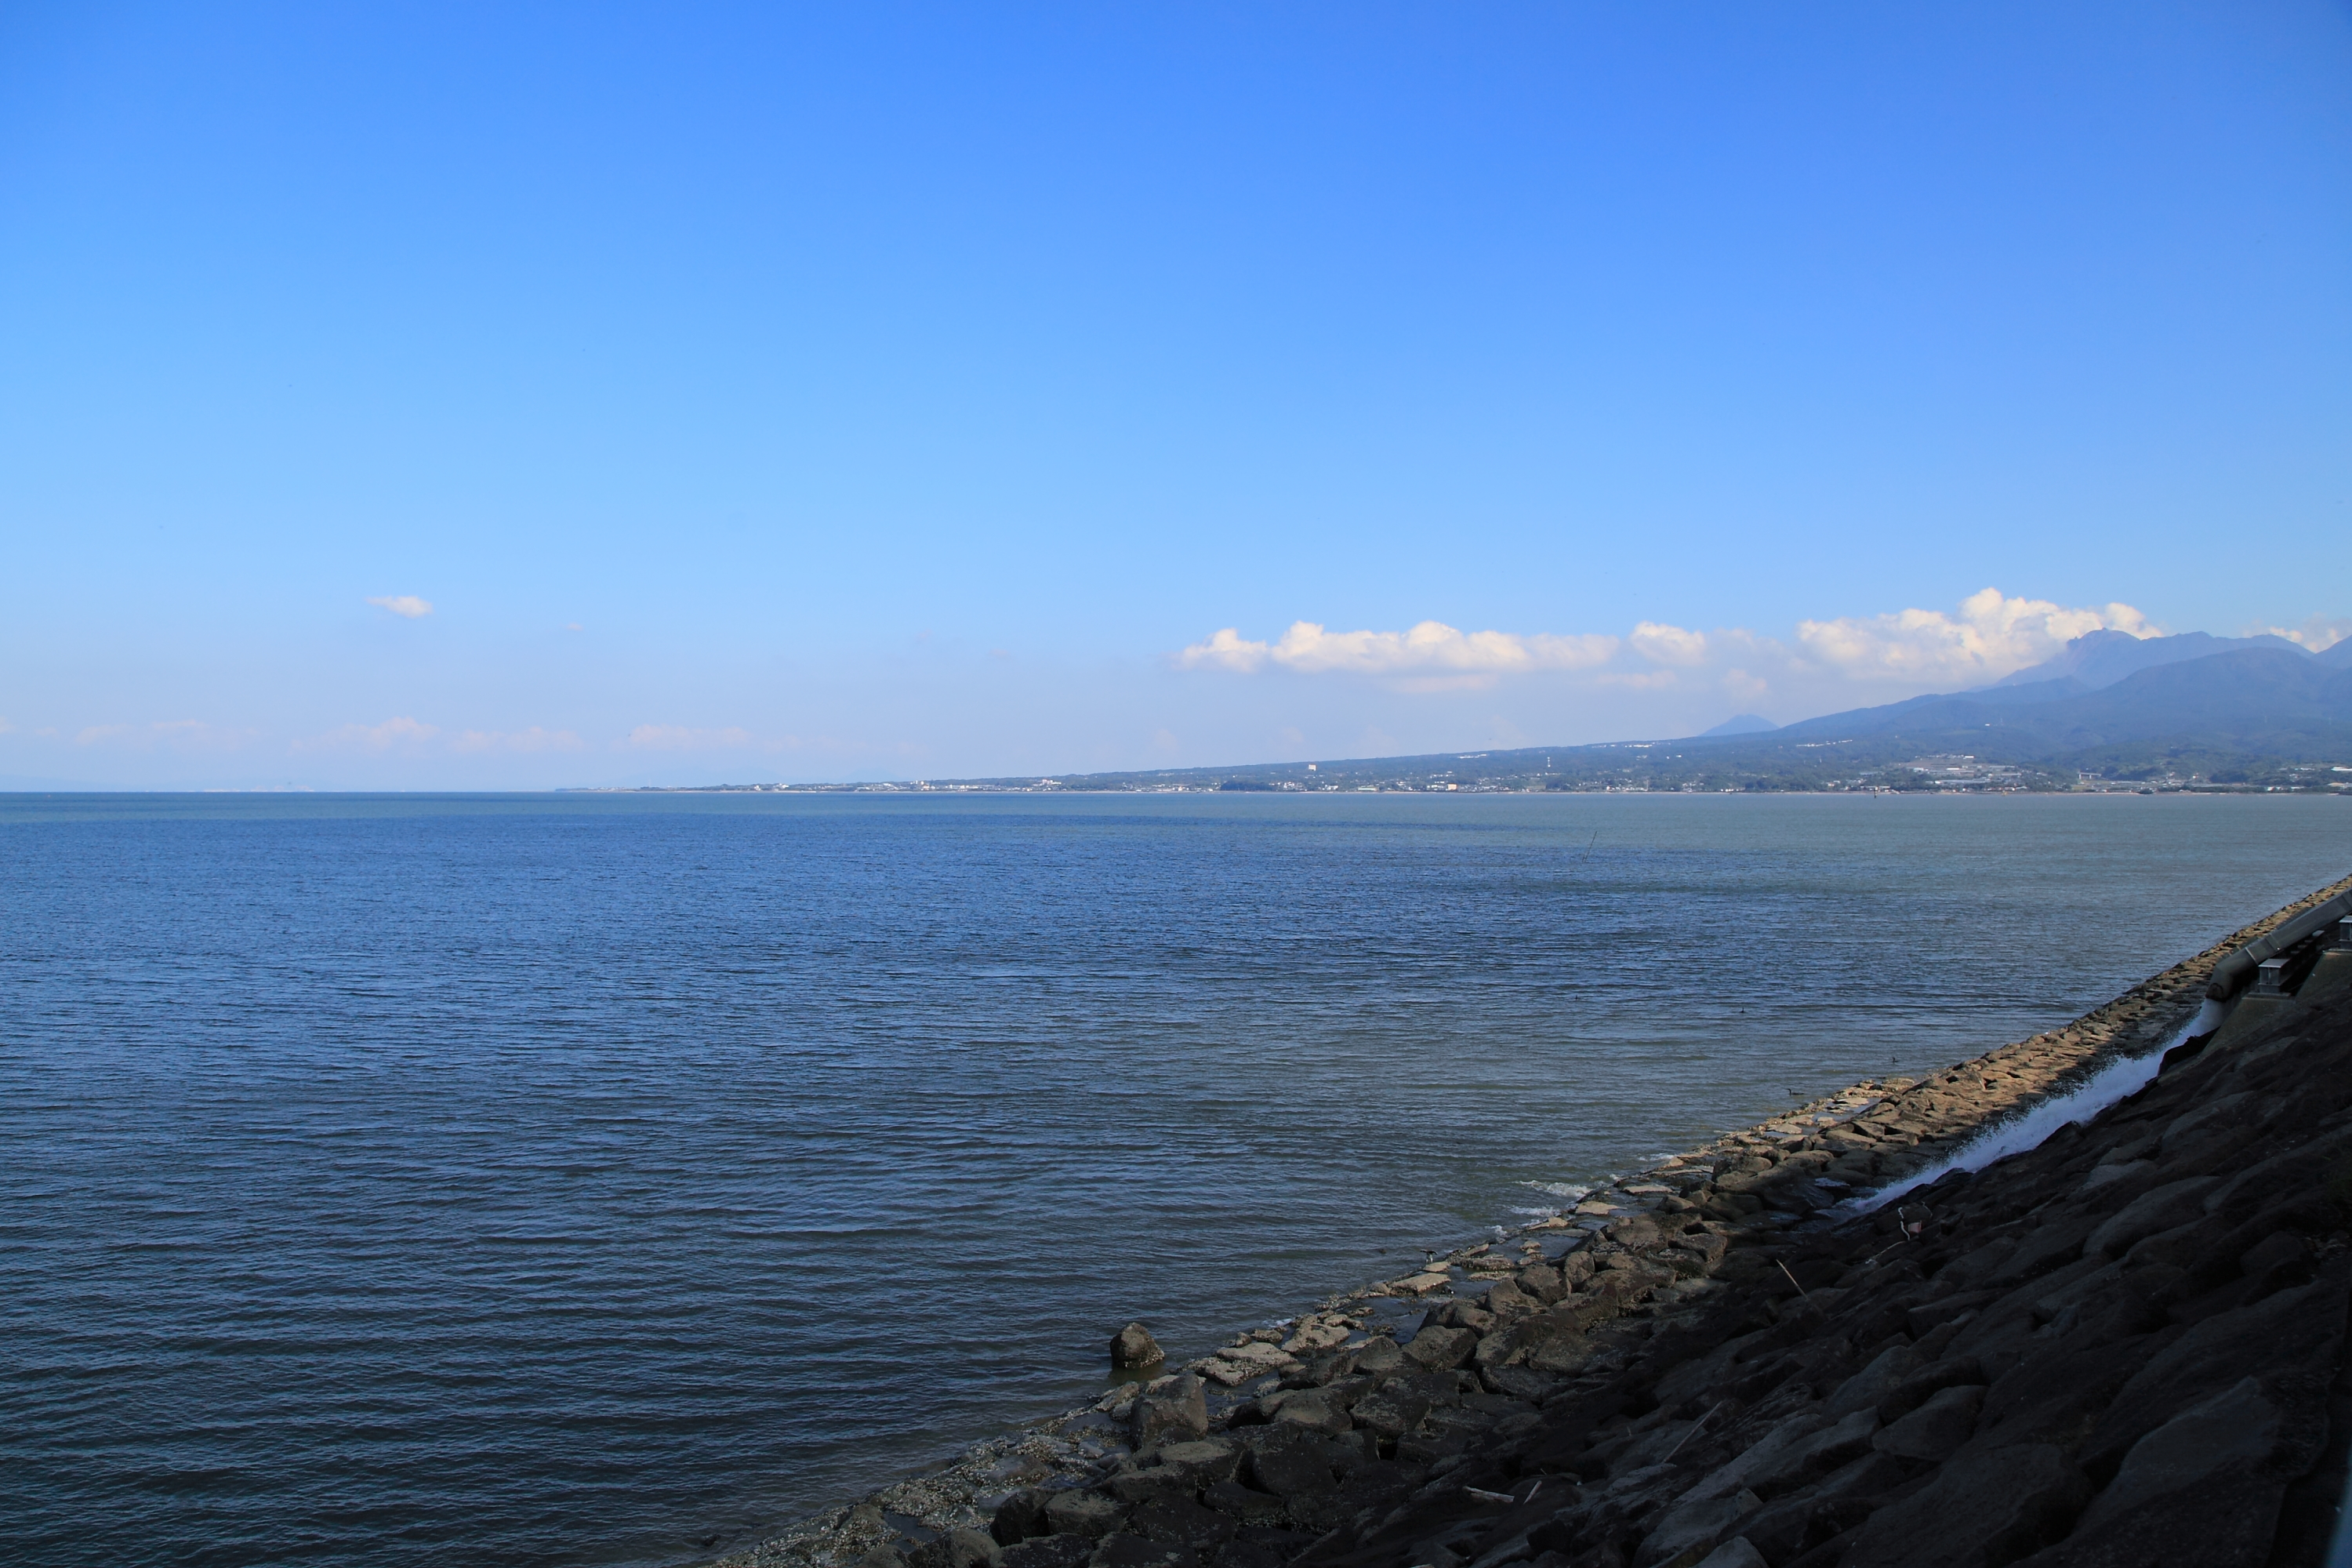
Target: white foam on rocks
column 2118, row 1081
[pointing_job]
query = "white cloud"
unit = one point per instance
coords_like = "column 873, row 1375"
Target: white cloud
column 1430, row 647
column 178, row 734
column 407, row 606
column 1668, row 645
column 1990, row 636
column 401, row 732
column 680, row 738
column 1744, row 687
column 2318, row 634
column 534, row 739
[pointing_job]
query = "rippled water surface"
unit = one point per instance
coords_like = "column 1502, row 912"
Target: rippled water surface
column 596, row 1179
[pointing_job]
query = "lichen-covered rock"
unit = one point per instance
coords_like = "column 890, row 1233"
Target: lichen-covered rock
column 1173, row 1413
column 1133, row 1346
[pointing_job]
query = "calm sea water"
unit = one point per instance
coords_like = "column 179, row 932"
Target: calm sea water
column 601, row 1179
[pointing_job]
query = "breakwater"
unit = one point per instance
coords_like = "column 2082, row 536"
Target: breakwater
column 2065, row 1357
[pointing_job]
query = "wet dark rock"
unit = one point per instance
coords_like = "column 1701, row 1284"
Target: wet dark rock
column 1133, row 1346
column 1379, row 1355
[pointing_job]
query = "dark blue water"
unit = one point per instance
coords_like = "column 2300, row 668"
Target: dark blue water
column 538, row 1180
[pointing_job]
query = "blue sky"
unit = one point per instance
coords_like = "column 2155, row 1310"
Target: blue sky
column 758, row 391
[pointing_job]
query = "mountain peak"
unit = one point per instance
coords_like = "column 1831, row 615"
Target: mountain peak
column 2100, row 659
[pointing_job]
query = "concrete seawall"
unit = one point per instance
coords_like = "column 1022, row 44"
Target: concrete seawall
column 2065, row 1357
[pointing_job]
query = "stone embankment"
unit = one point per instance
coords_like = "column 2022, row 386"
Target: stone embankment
column 2123, row 1347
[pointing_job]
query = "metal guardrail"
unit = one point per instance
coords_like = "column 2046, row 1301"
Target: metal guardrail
column 2242, row 970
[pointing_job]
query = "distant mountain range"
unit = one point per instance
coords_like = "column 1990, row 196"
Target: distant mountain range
column 2111, row 700
column 2241, row 712
column 2102, row 657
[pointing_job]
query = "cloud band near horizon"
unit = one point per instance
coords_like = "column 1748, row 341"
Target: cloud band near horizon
column 1992, row 635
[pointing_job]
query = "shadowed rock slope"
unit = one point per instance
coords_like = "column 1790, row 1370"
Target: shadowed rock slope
column 2123, row 1348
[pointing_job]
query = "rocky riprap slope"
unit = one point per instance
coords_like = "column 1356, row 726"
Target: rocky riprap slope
column 2123, row 1348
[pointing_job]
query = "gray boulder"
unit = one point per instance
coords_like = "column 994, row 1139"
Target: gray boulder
column 1696, row 1525
column 1735, row 1552
column 957, row 1548
column 1937, row 1430
column 1090, row 1514
column 1292, row 1463
column 1243, row 1504
column 1983, row 1510
column 1874, row 1383
column 1179, row 1521
column 1212, row 1460
column 1174, row 1413
column 2283, row 1336
column 1540, row 1282
column 2165, row 1504
column 1124, row 1551
column 1762, row 1456
column 1020, row 1515
column 1049, row 1552
column 1439, row 1348
column 1391, row 1412
column 2159, row 1208
column 1316, row 1409
column 1134, row 1346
